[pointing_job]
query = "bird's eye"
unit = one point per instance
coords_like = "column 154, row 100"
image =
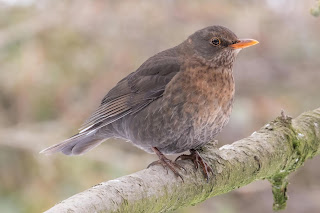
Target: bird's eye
column 215, row 41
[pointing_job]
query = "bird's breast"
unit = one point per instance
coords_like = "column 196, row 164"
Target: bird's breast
column 202, row 96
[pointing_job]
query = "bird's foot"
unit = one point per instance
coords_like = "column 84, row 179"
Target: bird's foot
column 197, row 160
column 167, row 163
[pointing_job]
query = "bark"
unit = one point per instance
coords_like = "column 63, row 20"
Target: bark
column 272, row 153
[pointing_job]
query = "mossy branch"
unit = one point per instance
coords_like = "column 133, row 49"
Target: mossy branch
column 272, row 153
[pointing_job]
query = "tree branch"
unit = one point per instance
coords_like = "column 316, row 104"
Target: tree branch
column 315, row 11
column 272, row 153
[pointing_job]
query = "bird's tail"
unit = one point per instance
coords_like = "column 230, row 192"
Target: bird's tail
column 76, row 145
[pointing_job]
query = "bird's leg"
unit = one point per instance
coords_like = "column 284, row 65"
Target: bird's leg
column 197, row 160
column 166, row 163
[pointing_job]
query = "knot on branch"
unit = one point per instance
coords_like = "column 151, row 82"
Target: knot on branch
column 285, row 118
column 295, row 133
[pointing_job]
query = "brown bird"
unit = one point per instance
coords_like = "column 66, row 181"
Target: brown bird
column 177, row 100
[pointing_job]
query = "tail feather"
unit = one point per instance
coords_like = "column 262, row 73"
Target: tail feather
column 76, row 145
column 81, row 148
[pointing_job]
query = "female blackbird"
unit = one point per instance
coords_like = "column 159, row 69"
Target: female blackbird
column 177, row 100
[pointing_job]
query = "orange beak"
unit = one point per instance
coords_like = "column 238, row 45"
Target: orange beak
column 243, row 43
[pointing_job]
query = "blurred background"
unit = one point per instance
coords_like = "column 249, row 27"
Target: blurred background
column 59, row 58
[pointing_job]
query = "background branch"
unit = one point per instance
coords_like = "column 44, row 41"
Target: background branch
column 273, row 152
column 315, row 11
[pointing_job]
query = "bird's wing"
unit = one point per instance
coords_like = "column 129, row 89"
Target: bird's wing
column 134, row 92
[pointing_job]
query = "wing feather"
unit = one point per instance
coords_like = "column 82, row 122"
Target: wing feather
column 134, row 92
column 107, row 109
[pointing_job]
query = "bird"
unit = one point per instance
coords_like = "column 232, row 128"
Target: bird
column 177, row 100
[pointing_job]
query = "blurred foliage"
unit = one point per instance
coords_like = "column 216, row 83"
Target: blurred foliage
column 316, row 10
column 59, row 58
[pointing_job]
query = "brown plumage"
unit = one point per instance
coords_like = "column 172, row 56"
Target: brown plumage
column 177, row 100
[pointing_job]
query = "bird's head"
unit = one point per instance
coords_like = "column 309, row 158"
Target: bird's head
column 218, row 45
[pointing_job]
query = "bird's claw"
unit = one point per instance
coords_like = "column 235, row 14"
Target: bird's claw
column 167, row 163
column 197, row 160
